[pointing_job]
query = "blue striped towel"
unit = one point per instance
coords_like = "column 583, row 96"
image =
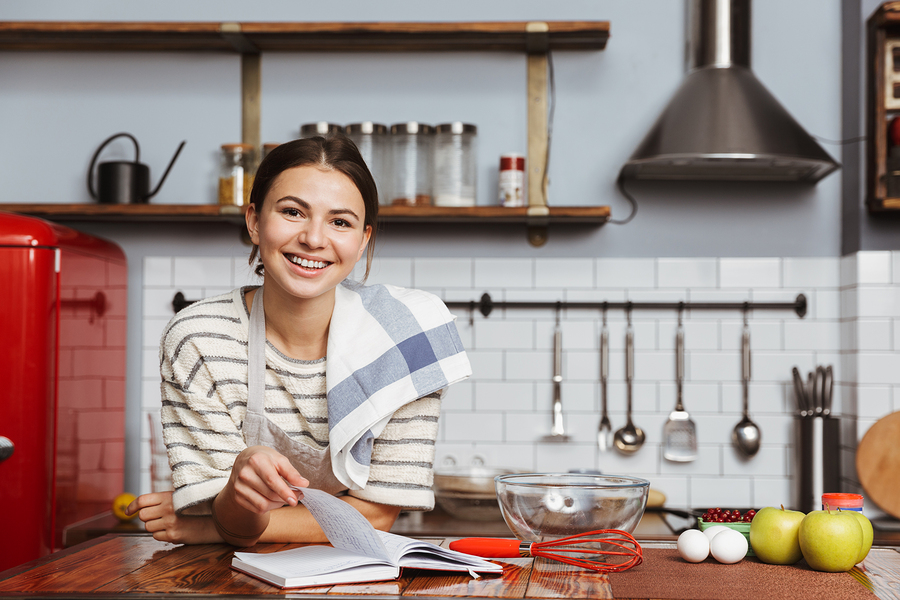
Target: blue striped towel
column 387, row 346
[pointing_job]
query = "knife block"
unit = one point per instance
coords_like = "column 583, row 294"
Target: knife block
column 808, row 453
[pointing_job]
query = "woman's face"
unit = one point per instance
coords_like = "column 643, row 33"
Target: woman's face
column 311, row 231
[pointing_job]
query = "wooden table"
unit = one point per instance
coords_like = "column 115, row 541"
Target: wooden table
column 134, row 566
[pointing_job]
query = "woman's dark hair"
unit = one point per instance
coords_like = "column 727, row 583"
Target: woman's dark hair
column 335, row 152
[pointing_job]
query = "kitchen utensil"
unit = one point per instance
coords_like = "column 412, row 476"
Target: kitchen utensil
column 679, row 432
column 800, row 392
column 827, row 391
column 124, row 182
column 878, row 463
column 604, row 550
column 746, row 435
column 558, row 431
column 544, row 506
column 818, row 391
column 467, row 493
column 604, row 432
column 629, row 438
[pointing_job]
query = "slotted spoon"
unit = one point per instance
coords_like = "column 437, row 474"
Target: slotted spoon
column 679, row 432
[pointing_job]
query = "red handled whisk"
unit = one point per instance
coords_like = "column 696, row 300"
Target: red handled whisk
column 622, row 550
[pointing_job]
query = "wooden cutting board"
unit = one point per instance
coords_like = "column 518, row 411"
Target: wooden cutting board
column 878, row 464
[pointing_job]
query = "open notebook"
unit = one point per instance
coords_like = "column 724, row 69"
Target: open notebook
column 358, row 552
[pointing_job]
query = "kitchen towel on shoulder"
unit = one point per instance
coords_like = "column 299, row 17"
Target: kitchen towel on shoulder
column 387, row 346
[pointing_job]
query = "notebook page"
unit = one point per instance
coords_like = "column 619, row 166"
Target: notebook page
column 344, row 526
column 306, row 561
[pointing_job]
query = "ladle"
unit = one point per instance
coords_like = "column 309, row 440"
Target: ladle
column 604, row 432
column 746, row 435
column 629, row 438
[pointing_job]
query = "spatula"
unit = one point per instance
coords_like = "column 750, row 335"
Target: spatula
column 679, row 432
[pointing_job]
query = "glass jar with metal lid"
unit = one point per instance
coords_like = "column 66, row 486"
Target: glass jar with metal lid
column 373, row 142
column 411, row 164
column 266, row 148
column 322, row 128
column 455, row 164
column 236, row 172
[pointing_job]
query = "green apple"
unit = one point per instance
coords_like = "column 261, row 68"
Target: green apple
column 775, row 537
column 868, row 534
column 831, row 541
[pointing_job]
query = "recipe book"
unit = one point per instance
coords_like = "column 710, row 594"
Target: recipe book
column 358, row 553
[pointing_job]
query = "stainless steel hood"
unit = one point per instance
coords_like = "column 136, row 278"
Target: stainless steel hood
column 722, row 124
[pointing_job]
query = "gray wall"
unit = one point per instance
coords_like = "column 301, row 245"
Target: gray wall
column 57, row 108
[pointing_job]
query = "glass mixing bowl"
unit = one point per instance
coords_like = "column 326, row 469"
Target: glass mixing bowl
column 547, row 506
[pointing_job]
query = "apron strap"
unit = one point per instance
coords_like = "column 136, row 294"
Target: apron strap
column 256, row 357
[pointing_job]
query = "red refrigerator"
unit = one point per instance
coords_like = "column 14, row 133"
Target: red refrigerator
column 62, row 364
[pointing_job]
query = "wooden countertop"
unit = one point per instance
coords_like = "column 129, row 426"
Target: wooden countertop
column 137, row 566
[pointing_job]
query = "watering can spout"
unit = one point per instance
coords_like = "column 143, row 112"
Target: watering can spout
column 166, row 173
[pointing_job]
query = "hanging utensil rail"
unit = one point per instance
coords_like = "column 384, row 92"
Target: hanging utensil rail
column 486, row 305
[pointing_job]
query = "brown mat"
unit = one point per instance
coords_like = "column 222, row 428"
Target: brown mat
column 664, row 575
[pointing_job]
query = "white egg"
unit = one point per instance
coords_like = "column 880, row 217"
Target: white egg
column 728, row 546
column 712, row 531
column 693, row 546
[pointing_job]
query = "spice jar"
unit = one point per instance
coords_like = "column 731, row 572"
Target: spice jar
column 322, row 128
column 266, row 148
column 455, row 164
column 411, row 145
column 512, row 180
column 236, row 174
column 372, row 139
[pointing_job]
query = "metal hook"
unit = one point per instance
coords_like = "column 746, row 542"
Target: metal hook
column 605, row 305
column 628, row 312
column 472, row 313
column 558, row 308
column 680, row 312
column 746, row 310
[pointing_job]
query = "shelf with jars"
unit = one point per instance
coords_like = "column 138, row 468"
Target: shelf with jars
column 883, row 111
column 533, row 39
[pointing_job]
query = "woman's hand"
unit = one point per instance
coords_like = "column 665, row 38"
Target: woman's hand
column 158, row 514
column 260, row 480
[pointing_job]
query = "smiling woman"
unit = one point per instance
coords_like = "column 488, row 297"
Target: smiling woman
column 307, row 380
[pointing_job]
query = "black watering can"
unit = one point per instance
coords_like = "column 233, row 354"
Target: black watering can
column 124, row 182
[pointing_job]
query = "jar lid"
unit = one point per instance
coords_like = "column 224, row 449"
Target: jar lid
column 237, row 147
column 366, row 128
column 838, row 500
column 457, row 127
column 319, row 128
column 412, row 127
column 271, row 145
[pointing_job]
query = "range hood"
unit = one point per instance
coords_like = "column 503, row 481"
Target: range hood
column 722, row 124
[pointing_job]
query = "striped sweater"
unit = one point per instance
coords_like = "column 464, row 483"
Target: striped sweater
column 203, row 364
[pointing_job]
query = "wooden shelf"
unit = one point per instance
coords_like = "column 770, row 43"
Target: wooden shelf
column 251, row 39
column 296, row 37
column 883, row 45
column 212, row 212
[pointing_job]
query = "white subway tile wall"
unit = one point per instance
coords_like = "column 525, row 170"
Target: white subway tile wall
column 500, row 415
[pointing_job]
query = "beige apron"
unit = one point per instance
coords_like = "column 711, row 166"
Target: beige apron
column 258, row 430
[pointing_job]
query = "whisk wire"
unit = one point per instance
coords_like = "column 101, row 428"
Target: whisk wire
column 620, row 539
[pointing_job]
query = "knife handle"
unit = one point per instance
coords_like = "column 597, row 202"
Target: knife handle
column 488, row 547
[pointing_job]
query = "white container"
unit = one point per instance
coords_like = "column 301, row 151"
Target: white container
column 512, row 180
column 455, row 164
